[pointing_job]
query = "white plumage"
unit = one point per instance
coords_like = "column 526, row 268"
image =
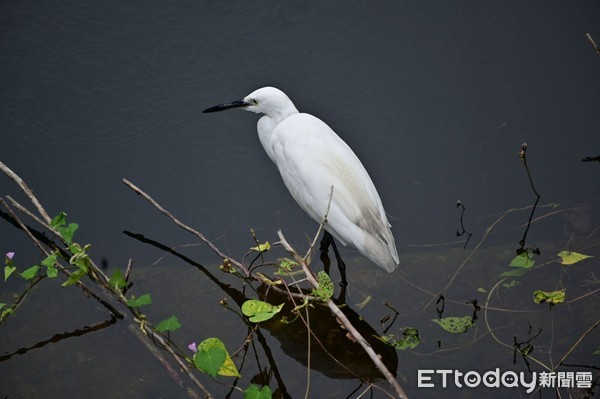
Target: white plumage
column 312, row 158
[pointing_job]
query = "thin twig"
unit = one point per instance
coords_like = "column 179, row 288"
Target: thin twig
column 98, row 272
column 572, row 348
column 26, row 211
column 344, row 320
column 473, row 251
column 60, row 267
column 21, row 183
column 491, row 331
column 102, row 282
column 187, row 228
column 593, row 43
column 174, row 373
column 243, row 269
column 321, row 226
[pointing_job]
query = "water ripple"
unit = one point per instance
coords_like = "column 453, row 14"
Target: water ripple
column 79, row 90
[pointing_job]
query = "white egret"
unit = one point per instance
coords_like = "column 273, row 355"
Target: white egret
column 312, row 159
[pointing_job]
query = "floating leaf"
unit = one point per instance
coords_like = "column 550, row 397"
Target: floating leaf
column 259, row 311
column 410, row 340
column 170, row 324
column 524, row 259
column 516, row 272
column 30, row 273
column 511, row 284
column 597, row 351
column 456, row 325
column 552, row 297
column 212, row 353
column 482, row 290
column 256, row 392
column 325, row 290
column 143, row 300
column 569, row 258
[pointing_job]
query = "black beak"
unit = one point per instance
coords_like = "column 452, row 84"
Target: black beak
column 223, row 107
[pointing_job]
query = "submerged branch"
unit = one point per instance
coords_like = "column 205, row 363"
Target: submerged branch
column 48, row 247
column 345, row 322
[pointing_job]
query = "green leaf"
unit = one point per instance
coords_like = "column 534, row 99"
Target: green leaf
column 516, row 272
column 51, row 271
column 5, row 313
column 552, row 297
column 50, row 262
column 59, row 220
column 143, row 300
column 210, row 360
column 170, row 324
column 287, row 265
column 256, row 392
column 569, row 258
column 259, row 311
column 67, row 232
column 524, row 260
column 74, row 277
column 59, row 223
column 80, row 256
column 482, row 290
column 511, row 284
column 262, row 247
column 209, row 356
column 597, row 351
column 456, row 325
column 30, row 273
column 325, row 290
column 409, row 341
column 117, row 281
column 8, row 270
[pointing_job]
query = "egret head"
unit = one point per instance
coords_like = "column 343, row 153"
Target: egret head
column 266, row 100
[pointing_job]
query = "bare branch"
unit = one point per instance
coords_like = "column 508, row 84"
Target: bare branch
column 187, row 228
column 593, row 43
column 27, row 191
column 344, row 320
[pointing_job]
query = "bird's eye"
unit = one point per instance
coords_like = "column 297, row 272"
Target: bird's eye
column 253, row 101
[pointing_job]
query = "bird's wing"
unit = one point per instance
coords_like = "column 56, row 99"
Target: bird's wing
column 311, row 159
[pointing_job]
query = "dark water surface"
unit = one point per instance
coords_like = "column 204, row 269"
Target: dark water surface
column 436, row 99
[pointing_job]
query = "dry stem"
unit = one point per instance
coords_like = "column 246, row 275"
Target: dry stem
column 344, row 320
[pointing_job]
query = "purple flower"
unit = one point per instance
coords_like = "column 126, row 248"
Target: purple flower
column 193, row 347
column 9, row 255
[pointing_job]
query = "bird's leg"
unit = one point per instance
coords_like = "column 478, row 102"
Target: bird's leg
column 324, row 248
column 340, row 263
